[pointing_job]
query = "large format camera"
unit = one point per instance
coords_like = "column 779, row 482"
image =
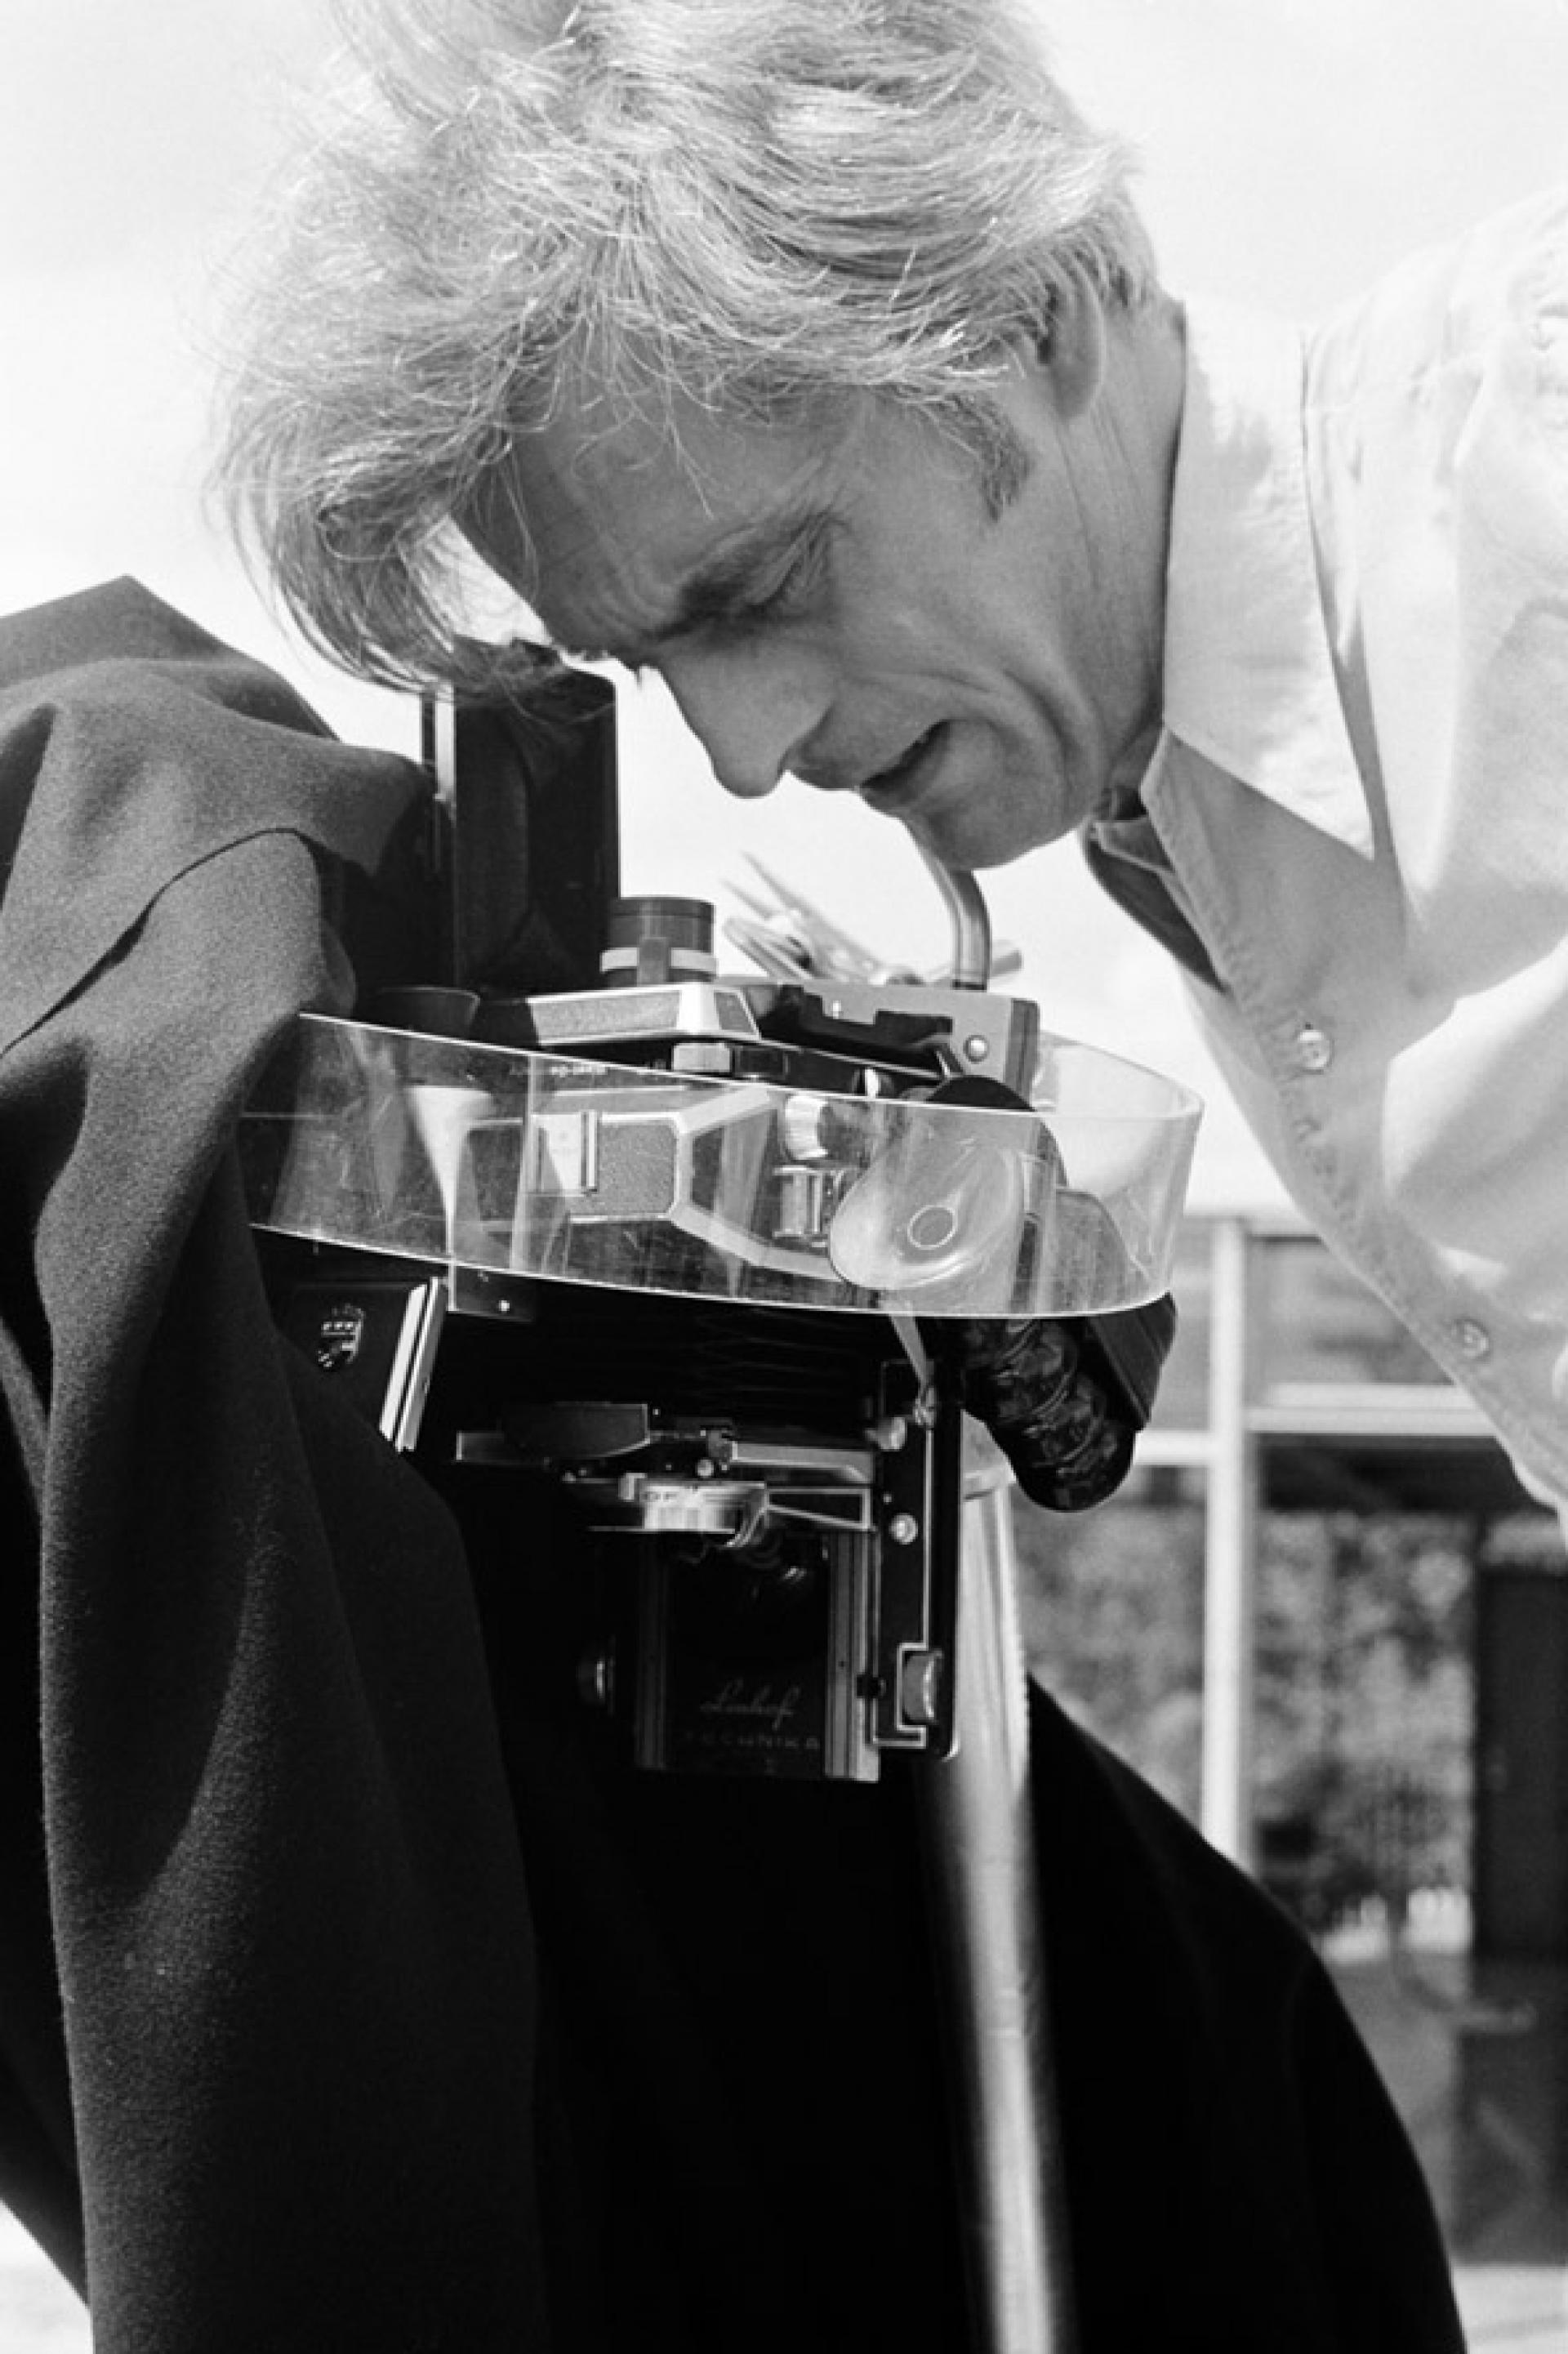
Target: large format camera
column 724, row 1255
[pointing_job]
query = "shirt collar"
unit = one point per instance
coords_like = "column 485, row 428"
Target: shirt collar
column 1249, row 675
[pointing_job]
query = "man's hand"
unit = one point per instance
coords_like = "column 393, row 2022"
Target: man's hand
column 1064, row 1399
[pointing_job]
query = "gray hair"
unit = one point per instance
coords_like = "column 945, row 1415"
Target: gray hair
column 763, row 203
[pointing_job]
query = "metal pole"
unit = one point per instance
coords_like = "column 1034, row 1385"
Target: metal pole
column 1228, row 1576
column 984, row 1905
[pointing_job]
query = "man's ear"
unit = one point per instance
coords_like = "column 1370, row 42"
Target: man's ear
column 1068, row 362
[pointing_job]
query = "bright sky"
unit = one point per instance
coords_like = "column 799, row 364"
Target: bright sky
column 1292, row 149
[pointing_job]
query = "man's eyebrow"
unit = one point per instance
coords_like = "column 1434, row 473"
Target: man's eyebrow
column 723, row 587
column 726, row 584
column 718, row 590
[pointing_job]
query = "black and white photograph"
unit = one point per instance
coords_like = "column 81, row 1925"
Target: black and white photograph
column 784, row 1177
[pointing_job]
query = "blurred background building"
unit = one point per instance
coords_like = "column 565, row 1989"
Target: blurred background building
column 1327, row 1621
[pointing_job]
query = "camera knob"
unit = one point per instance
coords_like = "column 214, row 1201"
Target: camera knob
column 653, row 938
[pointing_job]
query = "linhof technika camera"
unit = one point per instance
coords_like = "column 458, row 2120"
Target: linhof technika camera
column 695, row 1246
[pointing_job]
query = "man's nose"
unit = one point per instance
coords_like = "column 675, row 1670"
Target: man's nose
column 753, row 710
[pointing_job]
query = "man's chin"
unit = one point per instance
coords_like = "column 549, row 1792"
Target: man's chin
column 971, row 841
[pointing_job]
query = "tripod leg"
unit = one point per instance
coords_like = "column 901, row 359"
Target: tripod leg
column 984, row 1911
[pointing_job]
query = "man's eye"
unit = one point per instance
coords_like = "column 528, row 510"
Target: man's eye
column 790, row 590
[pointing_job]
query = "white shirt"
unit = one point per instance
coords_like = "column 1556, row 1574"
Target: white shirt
column 1362, row 785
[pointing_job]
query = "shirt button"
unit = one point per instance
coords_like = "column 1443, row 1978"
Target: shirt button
column 1471, row 1340
column 1314, row 1047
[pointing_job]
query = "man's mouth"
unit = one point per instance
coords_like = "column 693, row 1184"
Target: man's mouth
column 890, row 785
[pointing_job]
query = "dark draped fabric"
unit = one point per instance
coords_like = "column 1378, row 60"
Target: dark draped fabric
column 266, row 1959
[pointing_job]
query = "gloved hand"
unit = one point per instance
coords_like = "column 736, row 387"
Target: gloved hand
column 1063, row 1398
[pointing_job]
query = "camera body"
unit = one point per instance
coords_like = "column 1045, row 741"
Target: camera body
column 679, row 1244
column 767, row 1497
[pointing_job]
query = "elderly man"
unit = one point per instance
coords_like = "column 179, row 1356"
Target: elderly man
column 813, row 356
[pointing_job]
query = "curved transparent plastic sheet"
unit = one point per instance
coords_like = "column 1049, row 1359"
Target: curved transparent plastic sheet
column 543, row 1166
